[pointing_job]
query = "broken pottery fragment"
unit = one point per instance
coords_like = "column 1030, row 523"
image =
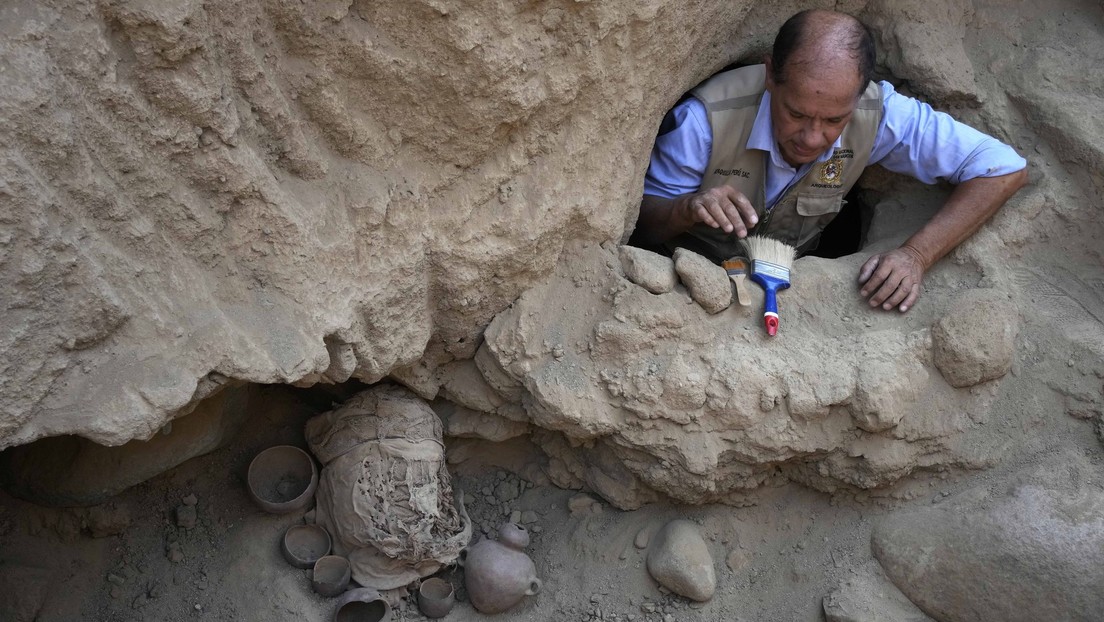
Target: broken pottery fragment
column 652, row 271
column 1026, row 551
column 679, row 560
column 707, row 282
column 975, row 339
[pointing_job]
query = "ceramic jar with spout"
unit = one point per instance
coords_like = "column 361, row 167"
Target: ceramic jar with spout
column 498, row 573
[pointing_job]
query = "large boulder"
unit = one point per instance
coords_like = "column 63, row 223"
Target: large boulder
column 663, row 396
column 1028, row 550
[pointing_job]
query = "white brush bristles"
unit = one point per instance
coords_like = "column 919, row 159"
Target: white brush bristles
column 769, row 250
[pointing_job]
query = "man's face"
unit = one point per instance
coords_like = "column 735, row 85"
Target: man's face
column 809, row 112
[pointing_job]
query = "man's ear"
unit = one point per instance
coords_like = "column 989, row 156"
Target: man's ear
column 769, row 62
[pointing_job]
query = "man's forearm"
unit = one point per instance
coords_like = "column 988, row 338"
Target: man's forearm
column 662, row 219
column 970, row 205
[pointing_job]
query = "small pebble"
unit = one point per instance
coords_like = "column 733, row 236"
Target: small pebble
column 186, row 516
column 115, row 579
column 191, row 499
column 515, row 517
column 529, row 516
column 580, row 504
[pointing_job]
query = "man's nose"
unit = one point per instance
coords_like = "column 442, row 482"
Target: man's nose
column 810, row 139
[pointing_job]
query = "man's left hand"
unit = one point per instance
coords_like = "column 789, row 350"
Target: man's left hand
column 892, row 279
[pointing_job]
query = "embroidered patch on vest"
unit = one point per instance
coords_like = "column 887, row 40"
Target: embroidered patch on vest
column 831, row 172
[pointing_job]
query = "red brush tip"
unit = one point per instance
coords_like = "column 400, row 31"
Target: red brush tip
column 771, row 322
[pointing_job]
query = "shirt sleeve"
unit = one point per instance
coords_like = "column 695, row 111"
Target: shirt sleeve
column 681, row 151
column 916, row 140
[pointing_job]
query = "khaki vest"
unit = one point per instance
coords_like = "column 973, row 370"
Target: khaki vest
column 732, row 101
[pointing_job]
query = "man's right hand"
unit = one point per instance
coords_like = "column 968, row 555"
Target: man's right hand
column 723, row 207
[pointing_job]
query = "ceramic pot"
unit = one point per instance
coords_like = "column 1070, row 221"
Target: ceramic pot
column 363, row 604
column 436, row 597
column 305, row 544
column 282, row 479
column 331, row 575
column 498, row 574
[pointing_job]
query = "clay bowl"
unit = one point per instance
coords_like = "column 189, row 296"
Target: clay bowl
column 282, row 479
column 363, row 604
column 436, row 597
column 331, row 575
column 304, row 545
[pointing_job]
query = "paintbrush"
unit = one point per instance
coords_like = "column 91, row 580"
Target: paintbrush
column 737, row 268
column 770, row 269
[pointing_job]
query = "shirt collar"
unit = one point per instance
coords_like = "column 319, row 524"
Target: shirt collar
column 762, row 136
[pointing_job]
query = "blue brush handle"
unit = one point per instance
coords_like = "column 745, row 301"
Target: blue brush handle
column 771, row 286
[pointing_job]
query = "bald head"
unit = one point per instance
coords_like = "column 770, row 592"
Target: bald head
column 824, row 43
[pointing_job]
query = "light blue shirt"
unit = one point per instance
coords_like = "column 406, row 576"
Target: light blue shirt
column 913, row 139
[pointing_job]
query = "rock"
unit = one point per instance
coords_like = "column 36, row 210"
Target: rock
column 707, row 282
column 679, row 560
column 507, row 490
column 186, row 516
column 528, row 517
column 867, row 598
column 652, row 271
column 642, row 538
column 463, row 422
column 924, row 45
column 1028, row 550
column 107, row 520
column 975, row 339
column 115, row 579
column 736, row 560
column 190, row 500
column 653, row 370
column 174, row 553
column 581, row 504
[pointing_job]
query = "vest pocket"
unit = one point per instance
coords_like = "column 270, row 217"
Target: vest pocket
column 819, row 205
column 817, row 212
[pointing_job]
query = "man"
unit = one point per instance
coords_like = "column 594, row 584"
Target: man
column 772, row 150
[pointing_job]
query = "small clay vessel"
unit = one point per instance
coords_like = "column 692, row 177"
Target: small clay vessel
column 362, row 604
column 436, row 597
column 498, row 574
column 331, row 575
column 282, row 479
column 305, row 544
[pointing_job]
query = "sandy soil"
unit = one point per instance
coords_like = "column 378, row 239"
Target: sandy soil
column 775, row 559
